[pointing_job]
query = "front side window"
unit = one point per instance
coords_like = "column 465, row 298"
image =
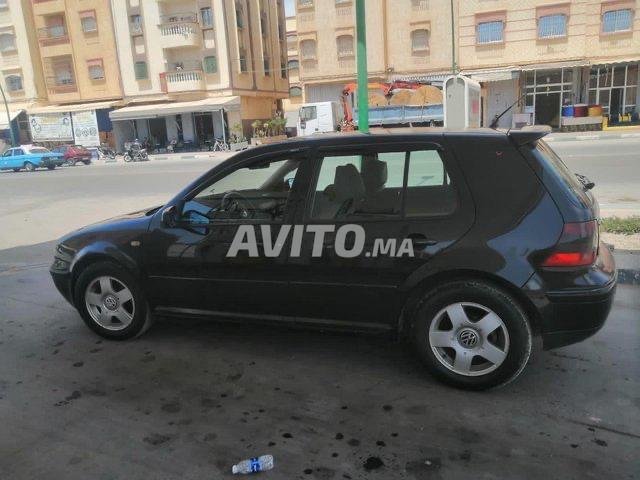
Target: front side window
column 309, row 112
column 616, row 21
column 550, row 26
column 257, row 192
column 373, row 184
column 490, row 32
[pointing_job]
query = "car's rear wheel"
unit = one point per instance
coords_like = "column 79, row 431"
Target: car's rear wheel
column 51, row 167
column 29, row 167
column 16, row 169
column 87, row 162
column 472, row 334
column 111, row 302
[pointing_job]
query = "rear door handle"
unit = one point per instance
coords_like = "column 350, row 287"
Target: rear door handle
column 419, row 240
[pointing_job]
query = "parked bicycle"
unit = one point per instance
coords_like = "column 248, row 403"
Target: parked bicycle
column 220, row 146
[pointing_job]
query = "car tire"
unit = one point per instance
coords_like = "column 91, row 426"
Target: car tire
column 107, row 287
column 16, row 169
column 51, row 167
column 472, row 334
column 127, row 157
column 87, row 162
column 29, row 167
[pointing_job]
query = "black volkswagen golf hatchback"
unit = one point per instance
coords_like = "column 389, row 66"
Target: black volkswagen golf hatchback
column 467, row 244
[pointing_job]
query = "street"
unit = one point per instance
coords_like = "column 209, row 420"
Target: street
column 190, row 398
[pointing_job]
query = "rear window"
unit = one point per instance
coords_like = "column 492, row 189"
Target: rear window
column 555, row 166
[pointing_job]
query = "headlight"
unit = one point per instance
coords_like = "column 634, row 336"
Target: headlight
column 59, row 264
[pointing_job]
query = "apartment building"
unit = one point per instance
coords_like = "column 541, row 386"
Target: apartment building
column 551, row 53
column 80, row 71
column 406, row 40
column 22, row 79
column 196, row 70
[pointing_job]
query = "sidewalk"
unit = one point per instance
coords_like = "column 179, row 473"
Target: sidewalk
column 627, row 132
column 628, row 265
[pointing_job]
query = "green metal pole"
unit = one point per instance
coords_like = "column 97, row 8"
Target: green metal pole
column 6, row 106
column 363, row 90
column 453, row 43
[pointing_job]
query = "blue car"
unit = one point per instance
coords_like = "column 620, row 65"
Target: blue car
column 30, row 157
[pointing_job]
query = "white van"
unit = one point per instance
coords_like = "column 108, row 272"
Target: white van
column 319, row 117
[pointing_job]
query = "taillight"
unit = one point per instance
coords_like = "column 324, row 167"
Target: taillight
column 576, row 247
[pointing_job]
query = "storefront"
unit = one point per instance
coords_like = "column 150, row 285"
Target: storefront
column 189, row 125
column 615, row 88
column 84, row 124
column 546, row 90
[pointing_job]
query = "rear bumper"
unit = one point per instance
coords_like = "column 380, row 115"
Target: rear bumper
column 573, row 305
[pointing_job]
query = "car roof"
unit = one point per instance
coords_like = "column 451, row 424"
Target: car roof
column 405, row 134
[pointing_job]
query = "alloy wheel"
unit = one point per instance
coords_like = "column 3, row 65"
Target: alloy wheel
column 110, row 303
column 469, row 339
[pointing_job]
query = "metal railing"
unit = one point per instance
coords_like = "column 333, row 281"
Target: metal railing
column 61, row 85
column 184, row 17
column 55, row 33
column 178, row 29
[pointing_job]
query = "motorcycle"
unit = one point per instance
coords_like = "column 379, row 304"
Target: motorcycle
column 106, row 153
column 136, row 153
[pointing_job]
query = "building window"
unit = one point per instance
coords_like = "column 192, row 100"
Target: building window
column 293, row 65
column 295, row 92
column 266, row 65
column 135, row 24
column 88, row 21
column 239, row 16
column 616, row 21
column 420, row 40
column 64, row 76
column 243, row 61
column 96, row 69
column 3, row 4
column 490, row 32
column 7, row 42
column 550, row 26
column 210, row 64
column 305, row 3
column 614, row 87
column 206, row 17
column 14, row 83
column 344, row 44
column 308, row 49
column 140, row 69
column 283, row 69
column 264, row 26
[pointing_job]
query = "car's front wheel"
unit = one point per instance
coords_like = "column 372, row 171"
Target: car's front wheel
column 51, row 167
column 111, row 302
column 29, row 167
column 472, row 334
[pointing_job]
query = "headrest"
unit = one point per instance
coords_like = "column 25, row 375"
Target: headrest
column 374, row 174
column 348, row 182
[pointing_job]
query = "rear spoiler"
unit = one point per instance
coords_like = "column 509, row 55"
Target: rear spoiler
column 528, row 134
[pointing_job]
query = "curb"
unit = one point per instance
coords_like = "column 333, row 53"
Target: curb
column 601, row 136
column 628, row 266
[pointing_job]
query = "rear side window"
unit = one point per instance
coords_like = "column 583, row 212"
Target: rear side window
column 379, row 184
column 554, row 166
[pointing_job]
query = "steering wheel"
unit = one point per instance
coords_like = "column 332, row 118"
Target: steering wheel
column 234, row 202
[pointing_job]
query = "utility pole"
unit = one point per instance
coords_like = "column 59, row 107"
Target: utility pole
column 363, row 77
column 6, row 107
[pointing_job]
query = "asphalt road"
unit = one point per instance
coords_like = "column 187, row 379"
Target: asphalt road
column 190, row 398
column 42, row 206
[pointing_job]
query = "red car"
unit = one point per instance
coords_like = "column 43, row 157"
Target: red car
column 74, row 154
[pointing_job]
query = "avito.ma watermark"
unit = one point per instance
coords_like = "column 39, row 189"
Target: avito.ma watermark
column 245, row 240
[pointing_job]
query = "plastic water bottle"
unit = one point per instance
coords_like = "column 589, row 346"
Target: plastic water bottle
column 253, row 465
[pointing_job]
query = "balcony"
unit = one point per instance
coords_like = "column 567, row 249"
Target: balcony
column 53, row 35
column 180, row 30
column 58, row 85
column 184, row 78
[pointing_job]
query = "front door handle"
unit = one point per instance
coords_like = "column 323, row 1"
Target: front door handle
column 420, row 240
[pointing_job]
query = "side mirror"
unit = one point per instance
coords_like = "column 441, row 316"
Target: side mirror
column 170, row 217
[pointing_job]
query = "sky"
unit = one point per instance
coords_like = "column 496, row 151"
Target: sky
column 289, row 8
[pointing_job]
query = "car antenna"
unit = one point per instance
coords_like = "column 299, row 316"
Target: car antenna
column 494, row 122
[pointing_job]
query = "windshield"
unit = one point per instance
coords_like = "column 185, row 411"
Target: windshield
column 38, row 150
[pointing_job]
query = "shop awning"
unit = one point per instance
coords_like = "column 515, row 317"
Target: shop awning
column 619, row 61
column 4, row 124
column 437, row 77
column 493, row 74
column 555, row 65
column 174, row 108
column 76, row 107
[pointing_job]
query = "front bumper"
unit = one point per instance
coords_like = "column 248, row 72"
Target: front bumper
column 62, row 281
column 51, row 161
column 573, row 305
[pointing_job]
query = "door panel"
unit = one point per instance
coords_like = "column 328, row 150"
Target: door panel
column 188, row 266
column 434, row 211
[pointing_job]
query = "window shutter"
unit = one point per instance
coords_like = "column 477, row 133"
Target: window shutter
column 210, row 64
column 141, row 70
